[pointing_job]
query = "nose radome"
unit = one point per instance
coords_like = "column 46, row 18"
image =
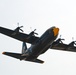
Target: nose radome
column 55, row 30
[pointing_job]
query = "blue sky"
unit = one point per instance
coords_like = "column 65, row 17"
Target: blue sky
column 39, row 14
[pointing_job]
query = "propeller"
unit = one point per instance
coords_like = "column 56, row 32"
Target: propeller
column 60, row 38
column 19, row 27
column 73, row 41
column 33, row 32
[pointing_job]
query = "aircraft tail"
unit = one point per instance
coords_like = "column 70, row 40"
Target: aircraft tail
column 19, row 56
column 15, row 55
column 24, row 48
column 38, row 61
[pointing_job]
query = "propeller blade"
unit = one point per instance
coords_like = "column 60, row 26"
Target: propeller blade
column 36, row 33
column 21, row 30
column 62, row 39
column 75, row 42
column 21, row 26
column 34, row 29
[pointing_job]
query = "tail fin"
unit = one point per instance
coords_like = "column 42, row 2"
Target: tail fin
column 24, row 47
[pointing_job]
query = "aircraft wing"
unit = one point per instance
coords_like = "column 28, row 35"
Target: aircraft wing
column 62, row 46
column 20, row 36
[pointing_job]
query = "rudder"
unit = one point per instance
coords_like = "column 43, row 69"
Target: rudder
column 24, row 48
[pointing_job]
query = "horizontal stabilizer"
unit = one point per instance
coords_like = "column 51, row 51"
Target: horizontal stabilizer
column 38, row 61
column 15, row 55
column 19, row 56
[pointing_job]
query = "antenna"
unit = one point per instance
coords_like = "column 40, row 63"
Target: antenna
column 31, row 28
column 73, row 38
column 60, row 36
column 18, row 24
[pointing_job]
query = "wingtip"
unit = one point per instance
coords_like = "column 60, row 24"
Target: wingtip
column 42, row 62
column 3, row 52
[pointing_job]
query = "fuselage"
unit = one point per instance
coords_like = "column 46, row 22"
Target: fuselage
column 43, row 43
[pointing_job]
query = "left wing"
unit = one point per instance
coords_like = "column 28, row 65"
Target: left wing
column 62, row 46
column 20, row 36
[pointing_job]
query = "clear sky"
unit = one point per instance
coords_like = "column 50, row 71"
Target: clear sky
column 39, row 14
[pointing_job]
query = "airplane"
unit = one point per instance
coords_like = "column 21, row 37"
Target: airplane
column 39, row 45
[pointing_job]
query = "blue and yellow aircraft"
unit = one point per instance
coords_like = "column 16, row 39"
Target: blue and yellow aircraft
column 39, row 45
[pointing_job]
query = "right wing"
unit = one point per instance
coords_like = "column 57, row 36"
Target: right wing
column 20, row 36
column 63, row 47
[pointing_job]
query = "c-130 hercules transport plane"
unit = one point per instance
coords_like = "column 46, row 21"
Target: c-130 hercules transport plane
column 39, row 45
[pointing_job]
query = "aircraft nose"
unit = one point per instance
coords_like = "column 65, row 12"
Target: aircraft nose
column 55, row 30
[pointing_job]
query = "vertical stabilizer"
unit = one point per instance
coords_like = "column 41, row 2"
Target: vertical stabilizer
column 24, row 48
